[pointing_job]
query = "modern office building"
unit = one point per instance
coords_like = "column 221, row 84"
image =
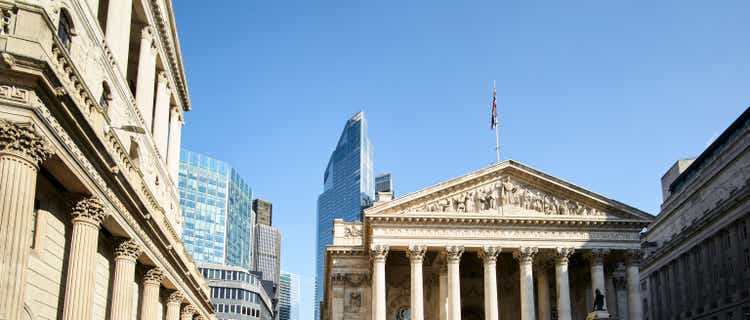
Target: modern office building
column 384, row 184
column 697, row 263
column 216, row 210
column 263, row 212
column 348, row 186
column 267, row 252
column 289, row 295
column 237, row 294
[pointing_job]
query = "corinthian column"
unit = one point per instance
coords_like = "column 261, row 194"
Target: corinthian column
column 489, row 256
column 173, row 305
column 542, row 287
column 118, row 31
column 596, row 258
column 126, row 254
column 561, row 279
column 187, row 313
column 416, row 255
column 144, row 92
column 525, row 257
column 88, row 215
column 173, row 155
column 379, row 254
column 21, row 152
column 635, row 304
column 151, row 284
column 454, row 281
column 161, row 114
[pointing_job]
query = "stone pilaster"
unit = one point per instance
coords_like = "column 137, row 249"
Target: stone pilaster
column 151, row 284
column 21, row 152
column 525, row 257
column 489, row 257
column 144, row 93
column 173, row 305
column 161, row 114
column 635, row 304
column 175, row 133
column 187, row 313
column 416, row 256
column 379, row 253
column 596, row 258
column 118, row 31
column 453, row 255
column 126, row 254
column 88, row 215
column 562, row 281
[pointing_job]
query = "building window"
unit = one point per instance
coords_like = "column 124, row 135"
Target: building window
column 65, row 29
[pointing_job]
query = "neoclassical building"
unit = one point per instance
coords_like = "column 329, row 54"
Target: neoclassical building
column 504, row 242
column 92, row 96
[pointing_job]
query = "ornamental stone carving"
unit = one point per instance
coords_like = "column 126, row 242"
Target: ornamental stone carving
column 489, row 253
column 128, row 249
column 147, row 33
column 154, row 275
column 352, row 231
column 525, row 254
column 176, row 297
column 416, row 253
column 6, row 18
column 633, row 257
column 90, row 210
column 596, row 256
column 188, row 312
column 23, row 139
column 562, row 255
column 379, row 252
column 164, row 78
column 453, row 253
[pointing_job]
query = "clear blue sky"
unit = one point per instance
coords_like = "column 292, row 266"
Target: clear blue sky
column 605, row 94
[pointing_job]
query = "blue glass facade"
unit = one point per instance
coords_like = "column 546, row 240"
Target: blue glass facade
column 216, row 211
column 348, row 186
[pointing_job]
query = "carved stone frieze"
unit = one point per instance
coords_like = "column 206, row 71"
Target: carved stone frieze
column 128, row 249
column 24, row 140
column 503, row 234
column 90, row 210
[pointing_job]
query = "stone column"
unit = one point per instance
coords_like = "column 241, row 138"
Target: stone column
column 489, row 257
column 161, row 114
column 544, row 296
column 635, row 304
column 88, row 215
column 118, row 31
column 173, row 306
column 94, row 5
column 416, row 256
column 443, row 294
column 525, row 257
column 187, row 313
column 596, row 257
column 561, row 279
column 21, row 152
column 454, row 281
column 379, row 254
column 144, row 91
column 150, row 300
column 126, row 254
column 173, row 154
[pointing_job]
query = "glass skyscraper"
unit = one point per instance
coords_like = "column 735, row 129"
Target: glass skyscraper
column 216, row 211
column 348, row 186
column 289, row 289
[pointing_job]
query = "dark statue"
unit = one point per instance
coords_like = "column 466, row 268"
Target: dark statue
column 598, row 301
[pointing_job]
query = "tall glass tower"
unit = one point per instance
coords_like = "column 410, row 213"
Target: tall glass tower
column 348, row 186
column 216, row 210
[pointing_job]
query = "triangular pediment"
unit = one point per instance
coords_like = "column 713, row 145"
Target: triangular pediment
column 509, row 189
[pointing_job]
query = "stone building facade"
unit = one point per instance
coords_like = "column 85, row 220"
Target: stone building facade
column 697, row 263
column 92, row 96
column 504, row 242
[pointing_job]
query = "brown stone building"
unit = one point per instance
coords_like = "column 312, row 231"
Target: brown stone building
column 92, row 95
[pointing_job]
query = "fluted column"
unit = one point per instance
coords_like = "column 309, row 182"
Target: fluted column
column 543, row 294
column 175, row 133
column 416, row 256
column 489, row 257
column 118, row 31
column 150, row 301
column 443, row 292
column 144, row 92
column 88, row 215
column 562, row 282
column 187, row 313
column 525, row 257
column 454, row 281
column 596, row 258
column 21, row 152
column 126, row 254
column 173, row 306
column 379, row 254
column 635, row 304
column 161, row 114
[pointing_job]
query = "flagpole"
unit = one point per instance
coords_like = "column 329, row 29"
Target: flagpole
column 497, row 132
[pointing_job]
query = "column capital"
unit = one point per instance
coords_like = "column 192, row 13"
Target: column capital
column 128, row 249
column 176, row 297
column 24, row 140
column 562, row 255
column 188, row 311
column 525, row 254
column 379, row 252
column 416, row 253
column 596, row 256
column 89, row 210
column 153, row 276
column 633, row 257
column 489, row 254
column 147, row 33
column 163, row 78
column 453, row 253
